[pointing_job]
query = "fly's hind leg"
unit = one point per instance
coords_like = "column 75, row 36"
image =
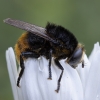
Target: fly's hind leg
column 25, row 55
column 22, row 70
column 60, row 77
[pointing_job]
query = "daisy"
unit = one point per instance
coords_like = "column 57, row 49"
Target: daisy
column 76, row 84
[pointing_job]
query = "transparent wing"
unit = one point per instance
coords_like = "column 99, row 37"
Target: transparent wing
column 39, row 31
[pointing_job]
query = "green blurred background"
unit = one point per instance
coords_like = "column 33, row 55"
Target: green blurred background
column 80, row 17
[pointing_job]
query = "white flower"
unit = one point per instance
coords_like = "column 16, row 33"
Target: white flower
column 76, row 84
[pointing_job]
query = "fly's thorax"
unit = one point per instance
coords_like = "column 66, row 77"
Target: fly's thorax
column 60, row 52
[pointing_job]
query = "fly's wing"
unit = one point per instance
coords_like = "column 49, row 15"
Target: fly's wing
column 39, row 31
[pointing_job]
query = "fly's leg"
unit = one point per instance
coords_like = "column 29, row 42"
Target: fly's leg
column 50, row 58
column 83, row 64
column 22, row 70
column 25, row 55
column 60, row 77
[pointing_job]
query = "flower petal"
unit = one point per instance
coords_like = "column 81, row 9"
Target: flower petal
column 73, row 83
column 93, row 83
column 83, row 72
column 95, row 49
column 35, row 85
column 12, row 70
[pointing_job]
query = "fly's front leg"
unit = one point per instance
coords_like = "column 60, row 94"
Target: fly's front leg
column 25, row 55
column 60, row 77
column 83, row 64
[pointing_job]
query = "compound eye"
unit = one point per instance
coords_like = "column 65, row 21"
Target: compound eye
column 75, row 59
column 77, row 54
